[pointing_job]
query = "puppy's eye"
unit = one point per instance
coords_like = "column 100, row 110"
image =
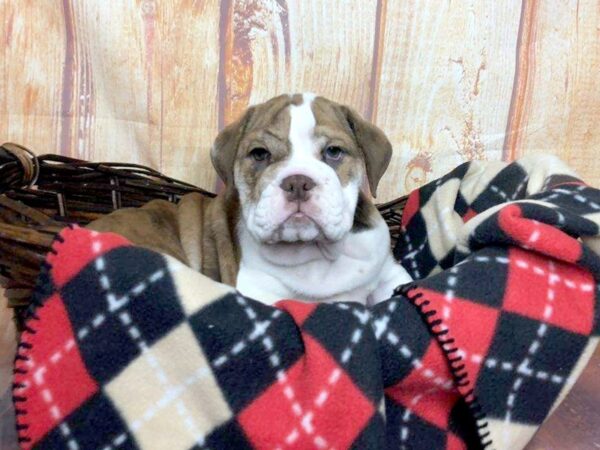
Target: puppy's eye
column 260, row 154
column 333, row 153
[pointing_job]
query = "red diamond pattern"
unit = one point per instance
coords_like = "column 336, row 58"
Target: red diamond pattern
column 317, row 406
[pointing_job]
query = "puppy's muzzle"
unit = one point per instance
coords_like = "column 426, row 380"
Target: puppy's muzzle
column 297, row 187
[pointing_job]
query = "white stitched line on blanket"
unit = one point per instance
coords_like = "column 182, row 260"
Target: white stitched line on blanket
column 380, row 328
column 115, row 304
column 363, row 319
column 537, row 270
column 170, row 394
column 486, row 259
column 413, row 263
column 545, row 184
column 578, row 197
column 404, row 428
column 39, row 380
column 569, row 283
column 116, row 442
column 356, row 336
column 324, row 394
column 560, row 218
column 380, row 325
column 519, row 187
column 550, row 197
column 53, row 409
column 413, row 253
column 260, row 329
column 404, row 431
column 524, row 368
column 305, row 419
column 508, row 366
column 444, row 383
column 449, row 295
column 534, row 236
column 451, row 281
column 498, row 191
column 138, row 289
column 504, row 195
column 174, row 393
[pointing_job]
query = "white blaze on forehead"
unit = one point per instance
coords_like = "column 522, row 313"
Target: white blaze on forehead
column 302, row 127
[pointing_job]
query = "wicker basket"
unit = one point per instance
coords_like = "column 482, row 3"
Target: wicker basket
column 39, row 195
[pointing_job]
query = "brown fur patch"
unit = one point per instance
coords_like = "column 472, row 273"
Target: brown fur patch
column 333, row 128
column 297, row 99
column 369, row 141
column 363, row 214
column 269, row 130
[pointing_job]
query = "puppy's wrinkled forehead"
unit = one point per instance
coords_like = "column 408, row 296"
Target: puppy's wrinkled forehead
column 298, row 120
column 296, row 127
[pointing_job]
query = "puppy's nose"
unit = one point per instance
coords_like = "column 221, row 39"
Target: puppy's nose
column 296, row 187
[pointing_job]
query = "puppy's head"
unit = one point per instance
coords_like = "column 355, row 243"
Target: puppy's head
column 298, row 163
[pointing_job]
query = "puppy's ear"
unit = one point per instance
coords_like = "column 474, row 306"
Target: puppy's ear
column 374, row 145
column 224, row 149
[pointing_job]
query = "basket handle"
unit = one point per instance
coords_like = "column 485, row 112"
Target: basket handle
column 19, row 166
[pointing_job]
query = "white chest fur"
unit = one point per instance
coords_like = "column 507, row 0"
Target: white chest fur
column 359, row 267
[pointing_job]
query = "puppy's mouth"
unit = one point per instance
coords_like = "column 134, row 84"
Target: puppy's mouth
column 297, row 226
column 298, row 215
column 299, row 218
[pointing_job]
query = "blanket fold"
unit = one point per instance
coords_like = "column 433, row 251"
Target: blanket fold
column 127, row 348
column 509, row 287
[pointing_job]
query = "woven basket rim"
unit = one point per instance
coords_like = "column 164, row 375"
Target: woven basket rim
column 39, row 195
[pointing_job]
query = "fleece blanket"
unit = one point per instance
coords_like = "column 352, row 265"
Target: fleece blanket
column 125, row 348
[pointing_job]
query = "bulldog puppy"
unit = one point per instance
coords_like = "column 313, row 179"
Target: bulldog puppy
column 306, row 230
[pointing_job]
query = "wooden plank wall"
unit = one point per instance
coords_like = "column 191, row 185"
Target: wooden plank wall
column 152, row 82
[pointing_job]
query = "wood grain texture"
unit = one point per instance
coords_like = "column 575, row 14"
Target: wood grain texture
column 189, row 68
column 556, row 104
column 115, row 87
column 152, row 82
column 283, row 46
column 30, row 89
column 445, row 82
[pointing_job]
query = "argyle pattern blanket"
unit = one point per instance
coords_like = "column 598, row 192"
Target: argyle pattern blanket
column 125, row 348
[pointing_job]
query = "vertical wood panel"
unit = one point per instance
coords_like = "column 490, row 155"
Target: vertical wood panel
column 151, row 82
column 77, row 103
column 5, row 35
column 333, row 46
column 33, row 52
column 445, row 84
column 557, row 106
column 277, row 47
column 123, row 80
column 188, row 83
